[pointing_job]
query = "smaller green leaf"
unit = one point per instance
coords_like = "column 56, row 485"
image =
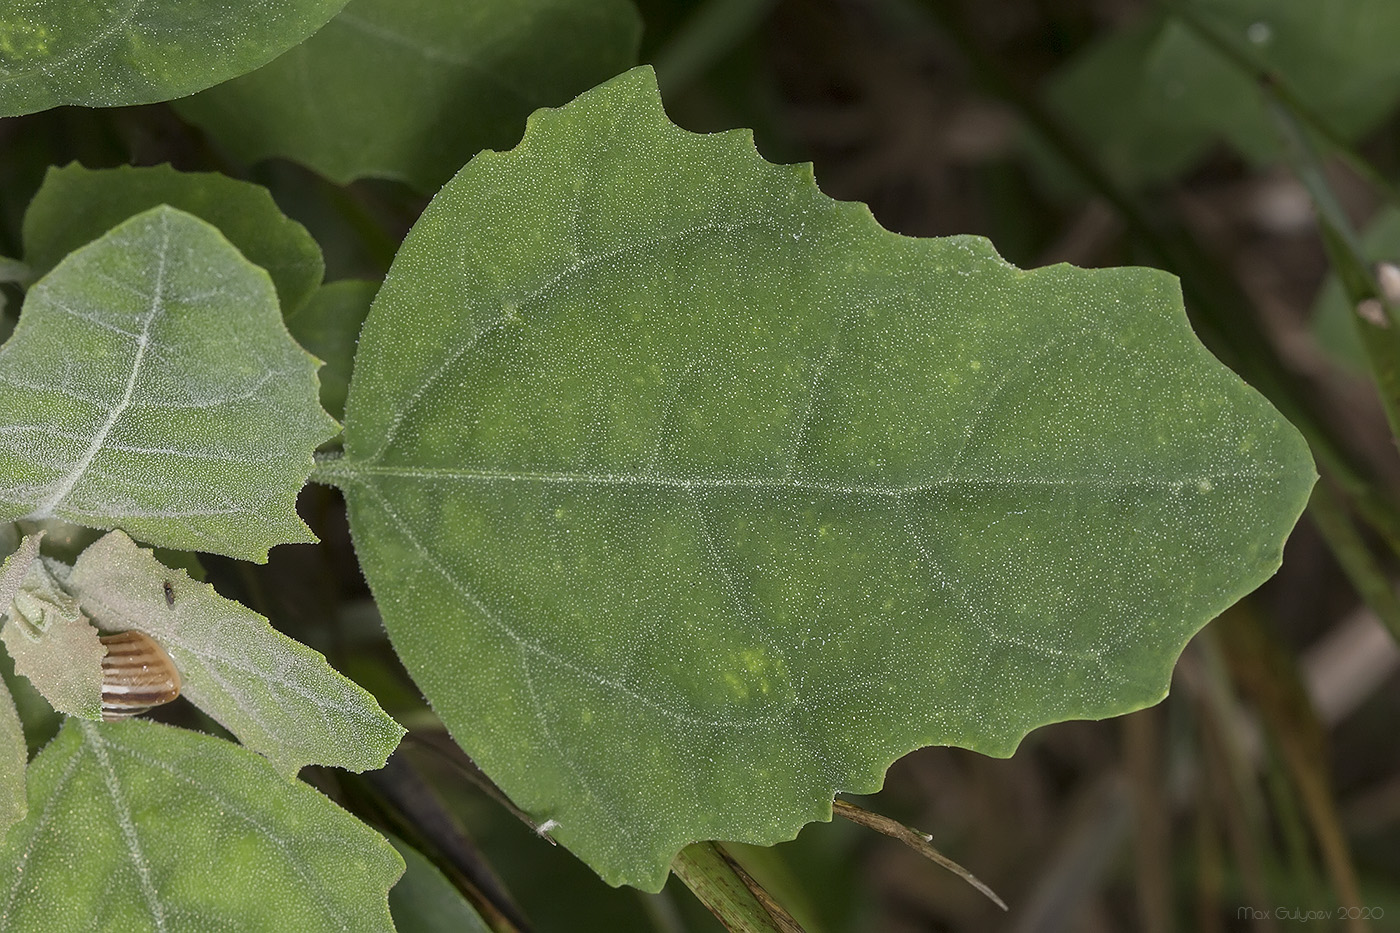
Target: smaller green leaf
column 412, row 89
column 425, row 902
column 278, row 696
column 54, row 645
column 152, row 385
column 329, row 326
column 16, row 568
column 56, row 52
column 13, row 759
column 76, row 205
column 136, row 826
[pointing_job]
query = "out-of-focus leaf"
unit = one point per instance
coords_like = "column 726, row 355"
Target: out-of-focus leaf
column 278, row 696
column 76, row 205
column 1332, row 313
column 328, row 326
column 1152, row 98
column 691, row 496
column 152, row 385
column 56, row 52
column 425, row 902
column 54, row 645
column 412, row 89
column 12, row 270
column 136, row 827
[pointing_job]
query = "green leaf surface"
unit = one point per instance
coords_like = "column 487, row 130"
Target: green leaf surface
column 425, row 902
column 328, row 326
column 54, row 645
column 1152, row 98
column 691, row 496
column 411, row 89
column 14, row 755
column 56, row 52
column 76, row 205
column 14, row 758
column 278, row 696
column 152, row 385
column 137, row 827
column 16, row 567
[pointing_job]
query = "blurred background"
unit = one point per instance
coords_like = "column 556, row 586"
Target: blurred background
column 1206, row 138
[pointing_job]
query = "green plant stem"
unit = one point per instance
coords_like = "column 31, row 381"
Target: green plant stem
column 729, row 892
column 1215, row 297
column 1243, row 58
column 1356, row 560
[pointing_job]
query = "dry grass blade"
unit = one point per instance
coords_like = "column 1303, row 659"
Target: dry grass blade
column 920, row 842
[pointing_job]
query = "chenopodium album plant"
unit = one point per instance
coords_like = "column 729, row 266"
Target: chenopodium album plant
column 689, row 497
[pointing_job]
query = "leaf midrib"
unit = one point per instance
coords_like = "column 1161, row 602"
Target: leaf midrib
column 348, row 469
column 66, row 485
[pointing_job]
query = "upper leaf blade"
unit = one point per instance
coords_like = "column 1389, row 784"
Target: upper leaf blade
column 277, row 695
column 411, row 89
column 152, row 385
column 53, row 52
column 76, row 205
column 691, row 496
column 164, row 821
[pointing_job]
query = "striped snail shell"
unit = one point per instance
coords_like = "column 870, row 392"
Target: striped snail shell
column 137, row 674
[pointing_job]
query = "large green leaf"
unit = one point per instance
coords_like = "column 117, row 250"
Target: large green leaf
column 136, row 826
column 76, row 205
column 1152, row 98
column 691, row 496
column 152, row 385
column 110, row 54
column 411, row 89
column 278, row 696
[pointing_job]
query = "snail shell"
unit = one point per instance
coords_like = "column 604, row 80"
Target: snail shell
column 137, row 674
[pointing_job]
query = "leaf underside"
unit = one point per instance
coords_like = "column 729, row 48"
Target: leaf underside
column 278, row 696
column 151, row 384
column 138, row 827
column 691, row 496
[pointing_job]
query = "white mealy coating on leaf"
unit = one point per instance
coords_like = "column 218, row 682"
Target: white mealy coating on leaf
column 151, row 384
column 278, row 696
